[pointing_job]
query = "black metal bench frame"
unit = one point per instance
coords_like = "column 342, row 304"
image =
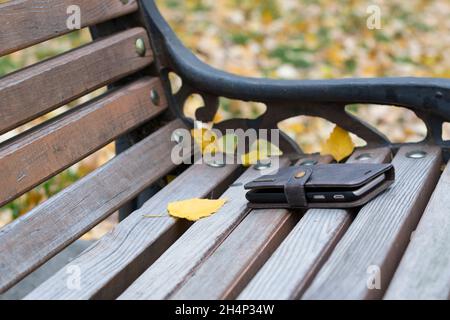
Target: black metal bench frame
column 428, row 98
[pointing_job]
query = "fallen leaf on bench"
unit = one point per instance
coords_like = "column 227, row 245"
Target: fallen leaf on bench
column 339, row 144
column 225, row 144
column 260, row 150
column 194, row 209
column 266, row 147
column 252, row 158
column 203, row 137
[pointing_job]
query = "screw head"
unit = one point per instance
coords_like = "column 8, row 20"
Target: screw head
column 262, row 165
column 308, row 162
column 416, row 154
column 300, row 174
column 140, row 47
column 154, row 95
column 364, row 157
column 215, row 164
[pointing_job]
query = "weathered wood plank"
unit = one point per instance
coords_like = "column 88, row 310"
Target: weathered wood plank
column 117, row 259
column 37, row 236
column 27, row 22
column 254, row 239
column 66, row 77
column 424, row 272
column 297, row 260
column 188, row 252
column 34, row 156
column 363, row 262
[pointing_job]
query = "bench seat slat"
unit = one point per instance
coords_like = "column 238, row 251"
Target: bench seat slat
column 181, row 260
column 27, row 22
column 254, row 239
column 35, row 156
column 37, row 236
column 33, row 91
column 299, row 257
column 424, row 271
column 370, row 250
column 116, row 260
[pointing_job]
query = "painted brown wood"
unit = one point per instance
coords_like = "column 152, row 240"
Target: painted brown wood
column 43, row 87
column 293, row 265
column 180, row 261
column 110, row 265
column 35, row 156
column 37, row 236
column 27, row 22
column 250, row 245
column 424, row 271
column 374, row 243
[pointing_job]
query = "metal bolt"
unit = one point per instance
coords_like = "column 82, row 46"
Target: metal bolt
column 263, row 165
column 154, row 95
column 309, row 162
column 140, row 47
column 216, row 164
column 364, row 157
column 300, row 175
column 416, row 154
column 176, row 137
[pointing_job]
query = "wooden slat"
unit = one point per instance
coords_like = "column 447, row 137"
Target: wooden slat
column 37, row 236
column 181, row 260
column 27, row 22
column 294, row 264
column 424, row 272
column 380, row 233
column 117, row 259
column 34, row 156
column 254, row 239
column 43, row 87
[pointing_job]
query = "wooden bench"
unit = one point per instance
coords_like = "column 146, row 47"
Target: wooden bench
column 397, row 246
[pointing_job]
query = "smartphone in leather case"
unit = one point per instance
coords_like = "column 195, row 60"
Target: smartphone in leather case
column 320, row 186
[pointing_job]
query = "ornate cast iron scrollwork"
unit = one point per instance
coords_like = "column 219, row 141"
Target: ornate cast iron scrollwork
column 428, row 98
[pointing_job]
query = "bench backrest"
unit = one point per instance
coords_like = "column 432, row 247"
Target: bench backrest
column 39, row 154
column 120, row 57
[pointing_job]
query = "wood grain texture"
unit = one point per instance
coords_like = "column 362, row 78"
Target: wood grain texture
column 380, row 233
column 250, row 245
column 37, row 236
column 297, row 260
column 424, row 271
column 117, row 259
column 33, row 91
column 27, row 22
column 35, row 156
column 181, row 260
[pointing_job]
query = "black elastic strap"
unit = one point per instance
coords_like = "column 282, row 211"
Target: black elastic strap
column 295, row 188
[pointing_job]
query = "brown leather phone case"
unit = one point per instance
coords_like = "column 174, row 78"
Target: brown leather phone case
column 295, row 181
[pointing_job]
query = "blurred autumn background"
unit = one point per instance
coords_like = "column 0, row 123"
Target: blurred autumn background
column 289, row 39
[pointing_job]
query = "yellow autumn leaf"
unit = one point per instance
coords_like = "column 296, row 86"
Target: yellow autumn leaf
column 261, row 149
column 203, row 137
column 266, row 148
column 227, row 143
column 252, row 157
column 339, row 144
column 194, row 209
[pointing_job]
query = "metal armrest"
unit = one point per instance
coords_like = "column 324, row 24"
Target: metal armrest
column 429, row 98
